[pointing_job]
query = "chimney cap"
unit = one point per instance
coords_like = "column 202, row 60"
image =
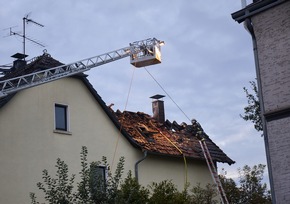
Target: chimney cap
column 19, row 56
column 157, row 96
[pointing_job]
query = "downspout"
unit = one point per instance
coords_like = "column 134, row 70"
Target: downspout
column 249, row 27
column 137, row 163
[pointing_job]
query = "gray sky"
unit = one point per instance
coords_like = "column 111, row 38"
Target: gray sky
column 207, row 59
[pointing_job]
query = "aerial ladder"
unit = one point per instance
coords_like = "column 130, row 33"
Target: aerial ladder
column 142, row 53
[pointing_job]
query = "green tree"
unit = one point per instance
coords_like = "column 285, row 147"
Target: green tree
column 58, row 189
column 232, row 192
column 207, row 195
column 166, row 192
column 113, row 182
column 252, row 110
column 252, row 189
column 132, row 192
column 90, row 189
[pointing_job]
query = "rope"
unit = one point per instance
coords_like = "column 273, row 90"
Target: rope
column 121, row 122
column 184, row 158
column 167, row 94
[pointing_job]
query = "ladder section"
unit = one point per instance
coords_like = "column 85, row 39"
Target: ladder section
column 36, row 78
column 44, row 76
column 213, row 171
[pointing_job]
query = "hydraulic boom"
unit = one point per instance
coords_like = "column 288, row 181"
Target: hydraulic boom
column 142, row 53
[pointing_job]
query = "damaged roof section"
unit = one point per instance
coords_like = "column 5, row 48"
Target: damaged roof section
column 168, row 138
column 39, row 63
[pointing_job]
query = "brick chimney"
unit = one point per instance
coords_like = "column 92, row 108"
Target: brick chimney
column 158, row 108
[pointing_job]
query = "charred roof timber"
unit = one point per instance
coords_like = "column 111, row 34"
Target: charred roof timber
column 158, row 108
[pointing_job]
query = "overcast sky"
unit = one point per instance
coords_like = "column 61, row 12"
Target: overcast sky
column 207, row 59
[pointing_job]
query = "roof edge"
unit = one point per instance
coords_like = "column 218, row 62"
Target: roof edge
column 255, row 8
column 107, row 110
column 230, row 162
column 83, row 78
column 6, row 99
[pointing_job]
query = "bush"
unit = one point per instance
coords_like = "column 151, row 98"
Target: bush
column 132, row 192
column 90, row 189
column 94, row 188
column 205, row 195
column 164, row 192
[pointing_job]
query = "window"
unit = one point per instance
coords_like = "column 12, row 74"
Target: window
column 97, row 178
column 61, row 119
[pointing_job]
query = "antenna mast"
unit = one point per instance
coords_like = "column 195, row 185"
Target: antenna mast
column 27, row 20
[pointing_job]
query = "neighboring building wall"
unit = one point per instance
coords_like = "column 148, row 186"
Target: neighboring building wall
column 29, row 145
column 272, row 31
column 279, row 145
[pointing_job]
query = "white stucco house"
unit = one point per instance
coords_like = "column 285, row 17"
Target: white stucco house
column 54, row 120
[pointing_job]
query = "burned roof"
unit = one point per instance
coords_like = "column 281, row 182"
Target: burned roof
column 42, row 62
column 39, row 63
column 168, row 138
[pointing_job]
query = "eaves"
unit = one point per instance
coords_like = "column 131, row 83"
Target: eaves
column 255, row 8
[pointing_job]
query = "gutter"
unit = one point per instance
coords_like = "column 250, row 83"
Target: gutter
column 249, row 27
column 137, row 163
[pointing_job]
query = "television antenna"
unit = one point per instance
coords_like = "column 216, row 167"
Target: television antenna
column 26, row 20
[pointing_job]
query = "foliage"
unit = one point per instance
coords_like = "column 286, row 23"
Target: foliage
column 132, row 192
column 59, row 189
column 90, row 189
column 253, row 111
column 252, row 189
column 166, row 192
column 83, row 195
column 204, row 195
column 231, row 190
column 94, row 188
